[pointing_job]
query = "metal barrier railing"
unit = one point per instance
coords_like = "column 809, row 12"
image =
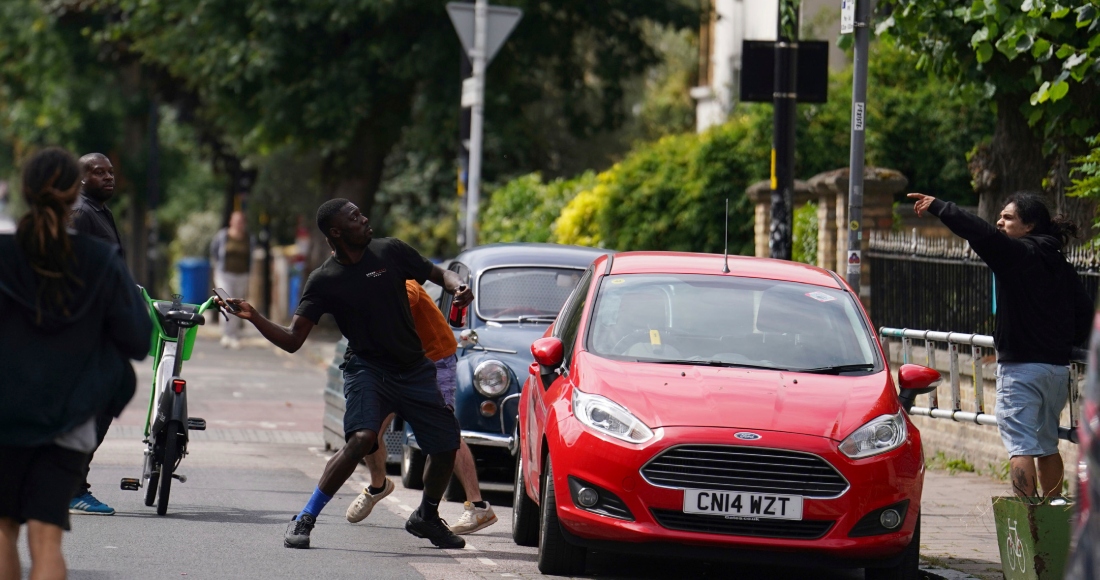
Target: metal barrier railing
column 977, row 343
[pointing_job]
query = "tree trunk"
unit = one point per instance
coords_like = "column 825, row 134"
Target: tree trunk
column 1013, row 161
column 356, row 176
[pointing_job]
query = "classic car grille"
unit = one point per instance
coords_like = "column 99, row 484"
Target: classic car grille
column 789, row 529
column 742, row 468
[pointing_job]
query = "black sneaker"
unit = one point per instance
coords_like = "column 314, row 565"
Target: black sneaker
column 435, row 530
column 297, row 531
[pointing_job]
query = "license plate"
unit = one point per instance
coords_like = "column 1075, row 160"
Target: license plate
column 741, row 504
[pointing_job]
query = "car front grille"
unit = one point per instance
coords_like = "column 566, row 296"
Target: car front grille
column 787, row 529
column 743, row 468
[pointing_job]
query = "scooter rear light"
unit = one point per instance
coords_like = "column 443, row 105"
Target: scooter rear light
column 178, row 385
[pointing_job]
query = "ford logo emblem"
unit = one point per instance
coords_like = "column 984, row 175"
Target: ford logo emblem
column 746, row 436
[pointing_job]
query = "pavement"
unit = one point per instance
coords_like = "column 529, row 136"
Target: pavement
column 262, row 454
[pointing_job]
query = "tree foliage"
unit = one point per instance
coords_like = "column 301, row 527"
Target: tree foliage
column 1035, row 61
column 670, row 193
column 1041, row 48
column 349, row 80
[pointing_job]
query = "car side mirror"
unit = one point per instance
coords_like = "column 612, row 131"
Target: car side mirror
column 916, row 380
column 467, row 338
column 548, row 352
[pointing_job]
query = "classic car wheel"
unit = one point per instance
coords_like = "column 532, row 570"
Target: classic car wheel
column 525, row 513
column 556, row 556
column 412, row 468
column 908, row 568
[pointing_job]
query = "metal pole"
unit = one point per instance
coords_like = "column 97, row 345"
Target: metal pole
column 855, row 164
column 784, row 96
column 477, row 58
column 462, row 185
column 153, row 195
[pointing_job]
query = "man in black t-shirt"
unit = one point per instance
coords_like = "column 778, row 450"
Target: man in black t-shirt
column 363, row 287
column 90, row 216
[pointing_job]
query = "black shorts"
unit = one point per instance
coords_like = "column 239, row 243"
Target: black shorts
column 371, row 393
column 37, row 483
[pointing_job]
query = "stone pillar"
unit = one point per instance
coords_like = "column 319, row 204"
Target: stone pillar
column 761, row 195
column 879, row 187
column 826, row 227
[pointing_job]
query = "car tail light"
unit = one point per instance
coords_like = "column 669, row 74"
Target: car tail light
column 178, row 385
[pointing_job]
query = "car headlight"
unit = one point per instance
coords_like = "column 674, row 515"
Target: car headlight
column 607, row 416
column 491, row 378
column 879, row 435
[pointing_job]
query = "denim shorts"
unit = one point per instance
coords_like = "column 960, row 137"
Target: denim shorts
column 1030, row 398
column 446, row 376
column 371, row 393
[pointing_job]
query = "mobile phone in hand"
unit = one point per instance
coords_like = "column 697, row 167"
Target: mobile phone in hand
column 225, row 298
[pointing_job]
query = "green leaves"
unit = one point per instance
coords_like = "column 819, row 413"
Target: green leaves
column 1085, row 15
column 984, row 52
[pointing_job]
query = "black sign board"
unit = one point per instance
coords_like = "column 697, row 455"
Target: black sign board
column 758, row 71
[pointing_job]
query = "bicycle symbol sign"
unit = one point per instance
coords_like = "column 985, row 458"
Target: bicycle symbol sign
column 1014, row 549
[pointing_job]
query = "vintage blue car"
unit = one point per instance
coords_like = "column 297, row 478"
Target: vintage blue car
column 519, row 290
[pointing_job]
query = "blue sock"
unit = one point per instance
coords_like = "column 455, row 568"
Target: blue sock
column 316, row 503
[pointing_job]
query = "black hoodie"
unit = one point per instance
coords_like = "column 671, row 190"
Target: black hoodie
column 1042, row 307
column 56, row 374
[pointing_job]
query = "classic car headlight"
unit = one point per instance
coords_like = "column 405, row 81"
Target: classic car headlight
column 879, row 435
column 491, row 378
column 607, row 416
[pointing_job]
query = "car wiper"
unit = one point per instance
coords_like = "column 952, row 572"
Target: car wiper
column 536, row 318
column 711, row 363
column 836, row 370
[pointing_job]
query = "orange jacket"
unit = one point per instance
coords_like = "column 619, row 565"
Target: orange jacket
column 435, row 334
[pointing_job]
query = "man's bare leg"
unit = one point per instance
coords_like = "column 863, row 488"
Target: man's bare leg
column 343, row 464
column 44, row 541
column 466, row 472
column 9, row 552
column 376, row 462
column 1051, row 471
column 1022, row 469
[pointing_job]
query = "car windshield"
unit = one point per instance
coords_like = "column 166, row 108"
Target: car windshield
column 524, row 293
column 729, row 321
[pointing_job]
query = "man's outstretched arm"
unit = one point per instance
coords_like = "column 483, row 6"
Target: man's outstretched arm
column 289, row 338
column 451, row 283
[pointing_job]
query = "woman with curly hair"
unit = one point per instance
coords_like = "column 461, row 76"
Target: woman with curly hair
column 72, row 320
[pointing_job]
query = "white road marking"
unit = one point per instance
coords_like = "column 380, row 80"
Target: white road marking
column 487, row 561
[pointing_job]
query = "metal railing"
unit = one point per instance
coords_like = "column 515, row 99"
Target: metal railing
column 977, row 343
column 956, row 287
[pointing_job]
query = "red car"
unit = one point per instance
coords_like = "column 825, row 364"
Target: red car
column 675, row 408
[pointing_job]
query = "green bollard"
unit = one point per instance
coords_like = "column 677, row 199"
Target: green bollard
column 1033, row 537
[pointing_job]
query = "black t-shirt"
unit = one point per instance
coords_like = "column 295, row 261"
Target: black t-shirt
column 369, row 302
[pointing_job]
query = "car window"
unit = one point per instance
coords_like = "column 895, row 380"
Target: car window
column 570, row 318
column 729, row 320
column 513, row 293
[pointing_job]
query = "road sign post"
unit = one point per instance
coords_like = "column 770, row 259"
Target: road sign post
column 861, row 24
column 482, row 29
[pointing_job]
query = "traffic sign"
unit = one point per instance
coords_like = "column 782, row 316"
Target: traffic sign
column 502, row 20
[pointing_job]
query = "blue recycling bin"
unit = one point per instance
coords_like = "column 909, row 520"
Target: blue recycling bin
column 194, row 280
column 294, row 283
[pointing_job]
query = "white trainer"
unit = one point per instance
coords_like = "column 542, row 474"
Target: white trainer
column 474, row 518
column 362, row 506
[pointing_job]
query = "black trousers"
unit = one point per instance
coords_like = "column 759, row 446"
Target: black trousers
column 102, row 425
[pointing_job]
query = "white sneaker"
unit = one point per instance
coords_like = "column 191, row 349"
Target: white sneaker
column 474, row 518
column 362, row 506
